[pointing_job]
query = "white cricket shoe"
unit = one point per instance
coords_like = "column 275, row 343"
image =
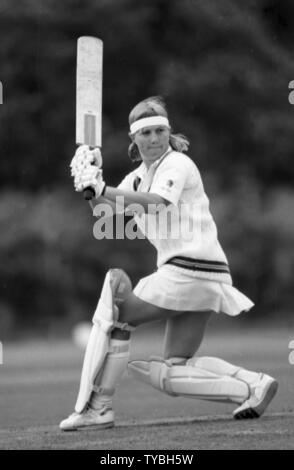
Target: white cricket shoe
column 261, row 394
column 102, row 418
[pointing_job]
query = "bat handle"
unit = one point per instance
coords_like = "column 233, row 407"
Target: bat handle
column 88, row 194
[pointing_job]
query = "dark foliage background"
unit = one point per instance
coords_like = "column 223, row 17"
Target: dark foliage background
column 223, row 67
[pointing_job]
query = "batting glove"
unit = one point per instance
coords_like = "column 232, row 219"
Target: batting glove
column 83, row 158
column 90, row 177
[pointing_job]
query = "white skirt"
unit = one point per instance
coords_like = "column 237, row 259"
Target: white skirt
column 172, row 288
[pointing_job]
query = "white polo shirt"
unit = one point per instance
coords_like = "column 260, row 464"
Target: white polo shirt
column 185, row 230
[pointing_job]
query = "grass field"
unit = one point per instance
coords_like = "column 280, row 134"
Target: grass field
column 39, row 382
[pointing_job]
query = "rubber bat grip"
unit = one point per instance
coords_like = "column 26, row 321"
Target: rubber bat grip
column 88, row 194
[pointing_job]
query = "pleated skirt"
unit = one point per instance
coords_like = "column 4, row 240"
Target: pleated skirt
column 174, row 288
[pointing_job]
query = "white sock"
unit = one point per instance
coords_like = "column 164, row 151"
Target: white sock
column 112, row 370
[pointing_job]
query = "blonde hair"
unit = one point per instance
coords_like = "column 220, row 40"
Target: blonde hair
column 154, row 106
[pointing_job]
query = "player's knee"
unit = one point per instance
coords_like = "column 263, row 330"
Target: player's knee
column 154, row 371
column 121, row 285
column 157, row 371
column 160, row 371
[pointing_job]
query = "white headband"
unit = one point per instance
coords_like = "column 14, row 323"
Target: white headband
column 149, row 121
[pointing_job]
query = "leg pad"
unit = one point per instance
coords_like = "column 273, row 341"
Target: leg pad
column 189, row 381
column 116, row 288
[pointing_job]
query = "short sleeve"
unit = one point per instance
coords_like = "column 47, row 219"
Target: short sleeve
column 170, row 178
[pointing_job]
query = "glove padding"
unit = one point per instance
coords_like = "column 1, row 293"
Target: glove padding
column 90, row 177
column 83, row 158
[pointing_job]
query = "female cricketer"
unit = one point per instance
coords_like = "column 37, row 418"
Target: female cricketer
column 191, row 282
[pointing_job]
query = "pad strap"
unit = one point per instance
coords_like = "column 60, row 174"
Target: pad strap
column 123, row 326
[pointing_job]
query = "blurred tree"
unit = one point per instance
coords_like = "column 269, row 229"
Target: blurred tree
column 220, row 64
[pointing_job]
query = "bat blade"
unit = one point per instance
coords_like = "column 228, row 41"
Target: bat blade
column 89, row 94
column 89, row 91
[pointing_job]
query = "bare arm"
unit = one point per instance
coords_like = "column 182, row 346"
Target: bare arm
column 134, row 197
column 102, row 200
column 120, row 199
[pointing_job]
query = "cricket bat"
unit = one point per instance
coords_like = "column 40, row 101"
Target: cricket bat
column 89, row 96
